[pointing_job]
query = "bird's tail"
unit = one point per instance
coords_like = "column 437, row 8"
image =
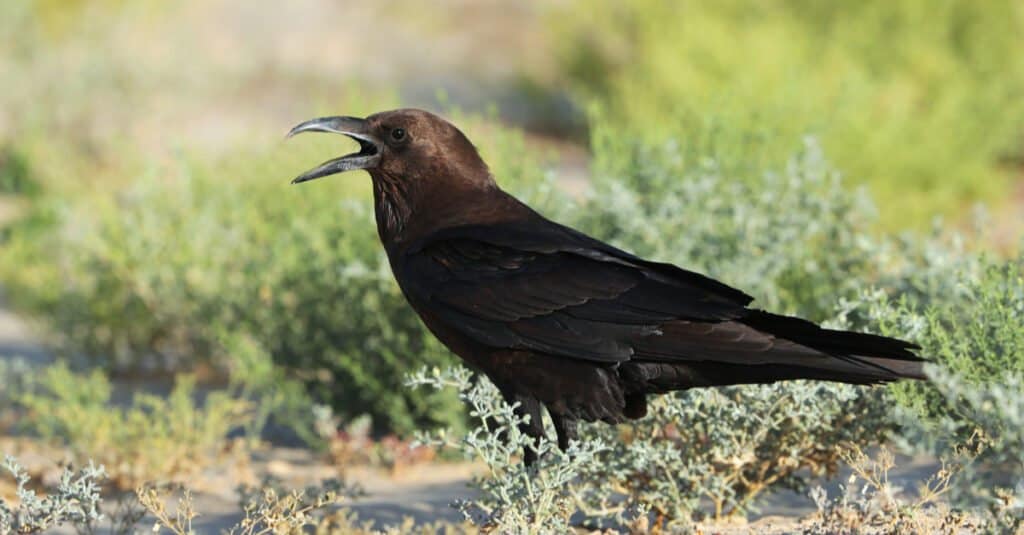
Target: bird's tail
column 762, row 347
column 857, row 357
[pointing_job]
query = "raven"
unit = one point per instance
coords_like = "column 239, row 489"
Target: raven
column 555, row 317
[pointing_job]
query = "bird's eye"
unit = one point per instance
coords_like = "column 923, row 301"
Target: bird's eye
column 398, row 134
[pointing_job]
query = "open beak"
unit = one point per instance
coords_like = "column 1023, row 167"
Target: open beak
column 369, row 147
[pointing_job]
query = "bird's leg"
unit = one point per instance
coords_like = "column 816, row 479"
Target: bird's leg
column 534, row 428
column 565, row 428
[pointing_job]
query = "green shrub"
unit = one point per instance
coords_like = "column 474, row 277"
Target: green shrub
column 920, row 100
column 729, row 447
column 967, row 316
column 986, row 431
column 792, row 237
column 795, row 239
column 514, row 498
column 77, row 503
column 15, row 175
column 168, row 438
column 226, row 264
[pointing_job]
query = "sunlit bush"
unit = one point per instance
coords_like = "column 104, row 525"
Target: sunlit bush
column 969, row 321
column 514, row 498
column 967, row 316
column 991, row 416
column 793, row 237
column 225, row 264
column 920, row 100
column 172, row 438
column 76, row 501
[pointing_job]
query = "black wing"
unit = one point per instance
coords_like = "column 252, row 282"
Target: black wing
column 551, row 289
column 554, row 290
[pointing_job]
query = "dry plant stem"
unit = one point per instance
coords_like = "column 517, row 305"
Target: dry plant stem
column 154, row 502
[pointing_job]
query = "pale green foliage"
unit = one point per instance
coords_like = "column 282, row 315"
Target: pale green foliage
column 514, row 498
column 793, row 238
column 965, row 312
column 992, row 417
column 729, row 446
column 155, row 437
column 76, row 500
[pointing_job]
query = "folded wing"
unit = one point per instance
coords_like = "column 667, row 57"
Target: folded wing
column 555, row 291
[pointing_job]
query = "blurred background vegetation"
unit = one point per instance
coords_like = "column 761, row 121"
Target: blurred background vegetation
column 921, row 101
column 148, row 228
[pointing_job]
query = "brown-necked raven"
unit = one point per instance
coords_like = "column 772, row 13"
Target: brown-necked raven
column 555, row 317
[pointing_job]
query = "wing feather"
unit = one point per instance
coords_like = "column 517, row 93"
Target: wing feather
column 550, row 289
column 555, row 292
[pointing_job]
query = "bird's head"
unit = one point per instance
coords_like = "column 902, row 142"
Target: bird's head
column 407, row 145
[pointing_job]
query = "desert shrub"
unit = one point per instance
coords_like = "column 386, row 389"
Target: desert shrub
column 918, row 100
column 273, row 509
column 987, row 422
column 728, row 447
column 192, row 265
column 170, row 438
column 15, row 175
column 870, row 504
column 967, row 316
column 269, row 508
column 792, row 237
column 76, row 501
column 514, row 498
column 796, row 240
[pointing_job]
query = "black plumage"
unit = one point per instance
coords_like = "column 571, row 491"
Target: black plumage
column 557, row 318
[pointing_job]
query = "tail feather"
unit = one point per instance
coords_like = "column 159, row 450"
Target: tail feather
column 762, row 348
column 884, row 358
